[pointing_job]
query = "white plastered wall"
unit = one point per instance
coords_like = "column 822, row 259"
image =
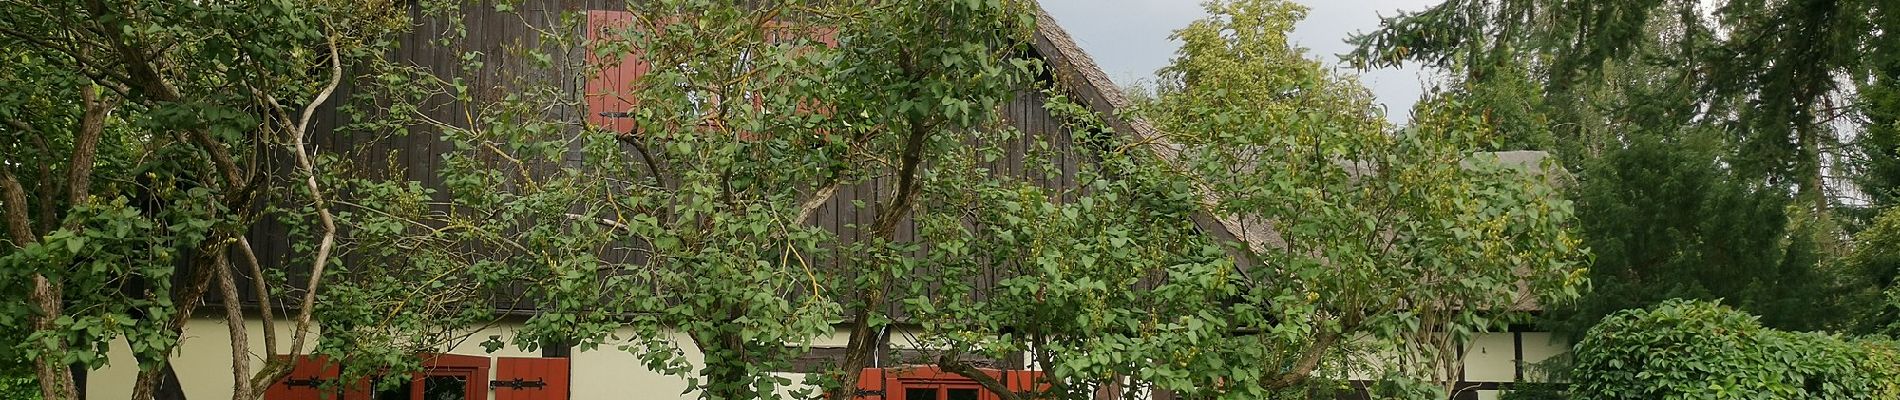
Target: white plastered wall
column 202, row 360
column 608, row 372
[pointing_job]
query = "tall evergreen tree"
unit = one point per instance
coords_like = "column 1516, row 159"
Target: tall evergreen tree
column 1704, row 134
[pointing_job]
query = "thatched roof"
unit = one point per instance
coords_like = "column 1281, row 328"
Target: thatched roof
column 1075, row 71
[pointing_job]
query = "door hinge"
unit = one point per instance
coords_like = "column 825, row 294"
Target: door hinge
column 518, row 383
column 307, row 382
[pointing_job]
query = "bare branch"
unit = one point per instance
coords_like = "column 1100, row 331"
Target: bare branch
column 949, row 362
column 1302, row 368
column 327, row 221
column 234, row 323
column 818, row 199
column 603, row 221
column 261, row 289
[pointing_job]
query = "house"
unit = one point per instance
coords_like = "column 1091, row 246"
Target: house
column 470, row 372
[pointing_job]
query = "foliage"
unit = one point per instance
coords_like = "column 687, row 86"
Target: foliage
column 1738, row 108
column 17, row 381
column 1358, row 231
column 1685, row 349
column 1535, row 391
column 1665, row 220
column 147, row 134
column 1875, row 262
column 691, row 232
column 696, row 220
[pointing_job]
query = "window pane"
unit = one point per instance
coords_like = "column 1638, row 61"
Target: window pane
column 398, row 392
column 962, row 394
column 453, row 387
column 920, row 394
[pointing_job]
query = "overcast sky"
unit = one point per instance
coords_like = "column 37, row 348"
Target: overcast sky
column 1129, row 38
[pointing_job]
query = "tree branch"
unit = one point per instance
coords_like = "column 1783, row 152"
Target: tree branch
column 863, row 340
column 948, row 362
column 261, row 289
column 1303, row 367
column 327, row 221
column 19, row 225
column 818, row 199
column 234, row 324
column 86, row 145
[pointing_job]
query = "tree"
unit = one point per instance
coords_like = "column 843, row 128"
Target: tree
column 1353, row 230
column 143, row 139
column 1875, row 263
column 1773, row 83
column 696, row 219
column 1878, row 142
column 1743, row 98
column 698, row 207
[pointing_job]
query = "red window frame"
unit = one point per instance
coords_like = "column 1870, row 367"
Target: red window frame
column 472, row 369
column 545, row 378
column 894, row 383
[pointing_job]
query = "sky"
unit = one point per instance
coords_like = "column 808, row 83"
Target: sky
column 1129, row 38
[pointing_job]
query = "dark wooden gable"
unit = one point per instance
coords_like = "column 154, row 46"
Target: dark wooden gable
column 498, row 38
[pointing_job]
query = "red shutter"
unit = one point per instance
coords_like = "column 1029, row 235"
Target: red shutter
column 306, row 380
column 1025, row 381
column 531, row 378
column 609, row 88
column 872, row 381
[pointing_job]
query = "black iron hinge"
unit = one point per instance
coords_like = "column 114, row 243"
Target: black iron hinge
column 518, row 383
column 307, row 382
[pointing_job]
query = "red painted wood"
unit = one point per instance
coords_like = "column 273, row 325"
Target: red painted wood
column 609, row 87
column 306, row 367
column 560, row 378
column 472, row 368
column 611, row 83
column 504, row 370
column 1025, row 381
column 552, row 371
column 894, row 381
column 872, row 380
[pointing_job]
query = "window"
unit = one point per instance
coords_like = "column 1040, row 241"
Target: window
column 920, row 394
column 930, row 383
column 444, row 377
column 941, row 392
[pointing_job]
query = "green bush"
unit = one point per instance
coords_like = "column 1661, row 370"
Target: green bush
column 1699, row 350
column 1535, row 391
column 19, row 387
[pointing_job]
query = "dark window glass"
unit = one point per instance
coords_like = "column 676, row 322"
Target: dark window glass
column 962, row 394
column 452, row 387
column 398, row 392
column 920, row 394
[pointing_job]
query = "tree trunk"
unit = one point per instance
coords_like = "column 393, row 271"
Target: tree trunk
column 56, row 380
column 864, row 339
column 234, row 322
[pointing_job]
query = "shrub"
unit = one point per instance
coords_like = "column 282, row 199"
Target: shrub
column 1699, row 350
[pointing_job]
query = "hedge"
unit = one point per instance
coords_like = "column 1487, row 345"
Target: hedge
column 1700, row 350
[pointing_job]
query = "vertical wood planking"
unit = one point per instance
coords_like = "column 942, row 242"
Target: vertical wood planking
column 491, row 32
column 553, row 373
